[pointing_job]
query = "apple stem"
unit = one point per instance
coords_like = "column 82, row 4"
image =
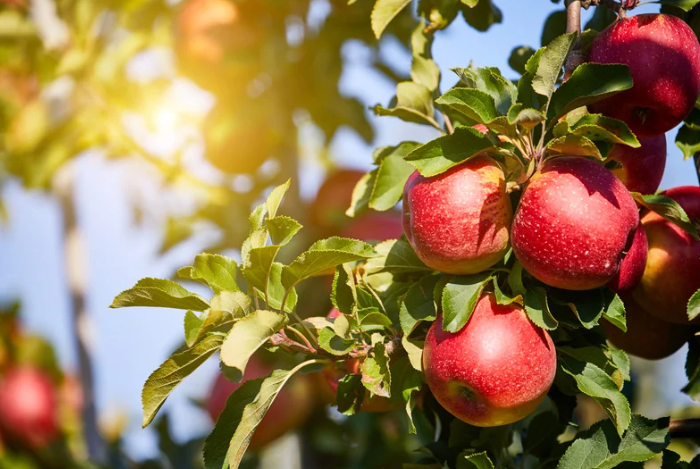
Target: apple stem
column 620, row 8
column 448, row 123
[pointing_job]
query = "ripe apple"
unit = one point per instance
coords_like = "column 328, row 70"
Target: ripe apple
column 643, row 167
column 672, row 273
column 458, row 221
column 633, row 264
column 663, row 55
column 647, row 336
column 574, row 223
column 494, row 371
column 29, row 407
column 375, row 227
column 289, row 410
column 327, row 211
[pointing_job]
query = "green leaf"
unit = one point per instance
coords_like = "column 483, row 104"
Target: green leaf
column 598, row 127
column 688, row 140
column 332, row 343
column 590, row 82
column 391, row 177
column 419, row 304
column 192, row 326
column 171, row 373
column 474, row 104
column 574, row 145
column 275, row 199
column 477, row 461
column 537, row 309
column 282, row 229
column 526, row 117
column 439, row 155
column 225, row 308
column 587, row 306
column 668, row 209
column 276, row 291
column 615, row 311
column 594, row 382
column 376, row 375
column 459, row 298
column 526, row 94
column 350, row 394
column 383, row 12
column 160, row 293
column 482, row 15
column 397, row 257
column 361, row 194
column 551, row 63
column 323, row 255
column 694, row 306
column 515, row 279
column 414, row 103
column 259, row 265
column 490, row 81
column 692, row 369
column 685, row 5
column 245, row 408
column 519, row 57
column 554, row 26
column 217, row 271
column 600, row 448
column 424, row 70
column 344, row 294
column 247, row 335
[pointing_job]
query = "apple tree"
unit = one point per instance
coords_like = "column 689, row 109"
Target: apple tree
column 536, row 254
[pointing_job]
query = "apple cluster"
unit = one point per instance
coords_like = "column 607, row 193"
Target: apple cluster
column 576, row 226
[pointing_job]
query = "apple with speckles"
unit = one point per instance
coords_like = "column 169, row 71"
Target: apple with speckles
column 643, row 167
column 494, row 371
column 647, row 336
column 663, row 55
column 672, row 273
column 29, row 407
column 574, row 224
column 458, row 221
column 289, row 410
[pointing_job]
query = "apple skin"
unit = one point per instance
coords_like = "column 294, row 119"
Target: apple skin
column 289, row 410
column 494, row 371
column 458, row 221
column 333, row 198
column 29, row 408
column 375, row 227
column 672, row 273
column 647, row 336
column 573, row 224
column 633, row 264
column 663, row 55
column 642, row 168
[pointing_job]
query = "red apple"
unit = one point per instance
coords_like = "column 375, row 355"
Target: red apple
column 647, row 336
column 458, row 221
column 288, row 411
column 573, row 225
column 643, row 167
column 633, row 264
column 332, row 200
column 494, row 371
column 29, row 408
column 672, row 273
column 375, row 227
column 663, row 55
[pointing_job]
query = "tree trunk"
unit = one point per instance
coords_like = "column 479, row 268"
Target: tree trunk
column 75, row 266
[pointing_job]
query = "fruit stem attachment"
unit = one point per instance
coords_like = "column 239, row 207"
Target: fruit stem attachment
column 620, row 8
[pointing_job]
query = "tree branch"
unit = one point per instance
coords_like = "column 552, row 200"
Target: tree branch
column 573, row 25
column 684, row 428
column 696, row 157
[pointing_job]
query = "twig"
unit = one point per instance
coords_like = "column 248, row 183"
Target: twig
column 573, row 25
column 448, row 123
column 684, row 428
column 303, row 338
column 619, row 8
column 697, row 164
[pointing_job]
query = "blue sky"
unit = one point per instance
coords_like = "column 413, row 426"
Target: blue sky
column 131, row 343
